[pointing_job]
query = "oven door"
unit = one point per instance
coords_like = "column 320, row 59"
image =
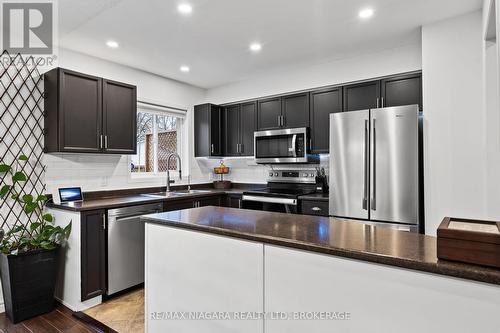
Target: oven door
column 281, row 146
column 269, row 203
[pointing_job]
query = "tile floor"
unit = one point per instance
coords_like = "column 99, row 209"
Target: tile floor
column 124, row 314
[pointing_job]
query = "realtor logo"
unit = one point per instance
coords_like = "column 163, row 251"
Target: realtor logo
column 27, row 27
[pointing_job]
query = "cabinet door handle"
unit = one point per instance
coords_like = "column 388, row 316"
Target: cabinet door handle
column 238, row 148
column 239, row 203
column 100, row 142
column 316, row 209
column 105, row 142
column 212, row 148
column 382, row 101
column 103, row 221
column 282, row 121
column 378, row 104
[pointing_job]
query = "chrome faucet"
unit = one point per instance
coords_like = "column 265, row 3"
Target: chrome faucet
column 168, row 171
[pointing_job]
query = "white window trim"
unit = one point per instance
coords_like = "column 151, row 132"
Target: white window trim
column 181, row 115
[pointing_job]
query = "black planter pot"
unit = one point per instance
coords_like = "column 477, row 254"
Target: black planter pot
column 28, row 282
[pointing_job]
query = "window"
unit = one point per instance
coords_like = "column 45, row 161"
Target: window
column 159, row 133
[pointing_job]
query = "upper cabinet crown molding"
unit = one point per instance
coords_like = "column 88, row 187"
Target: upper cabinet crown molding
column 88, row 114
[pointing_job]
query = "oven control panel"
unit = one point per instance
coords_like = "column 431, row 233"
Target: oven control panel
column 292, row 176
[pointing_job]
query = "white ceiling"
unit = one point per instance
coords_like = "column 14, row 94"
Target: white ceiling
column 213, row 41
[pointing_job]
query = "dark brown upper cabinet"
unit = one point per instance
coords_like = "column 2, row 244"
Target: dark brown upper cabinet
column 269, row 113
column 93, row 253
column 86, row 114
column 362, row 96
column 119, row 117
column 283, row 112
column 323, row 103
column 208, row 131
column 248, row 117
column 232, row 130
column 295, row 110
column 239, row 127
column 402, row 90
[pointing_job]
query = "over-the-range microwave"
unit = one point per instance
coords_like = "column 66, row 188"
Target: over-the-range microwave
column 290, row 145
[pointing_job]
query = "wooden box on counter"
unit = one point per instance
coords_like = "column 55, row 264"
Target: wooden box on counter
column 470, row 241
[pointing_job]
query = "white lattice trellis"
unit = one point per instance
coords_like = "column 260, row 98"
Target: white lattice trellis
column 21, row 129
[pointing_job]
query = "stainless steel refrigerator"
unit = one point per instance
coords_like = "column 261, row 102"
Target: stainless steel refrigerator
column 374, row 166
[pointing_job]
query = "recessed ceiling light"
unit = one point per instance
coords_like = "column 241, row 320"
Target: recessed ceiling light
column 255, row 47
column 185, row 8
column 184, row 69
column 366, row 13
column 112, row 44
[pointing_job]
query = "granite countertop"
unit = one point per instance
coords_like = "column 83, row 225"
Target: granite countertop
column 327, row 236
column 315, row 197
column 121, row 198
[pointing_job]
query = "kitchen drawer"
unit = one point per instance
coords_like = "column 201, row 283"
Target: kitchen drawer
column 309, row 207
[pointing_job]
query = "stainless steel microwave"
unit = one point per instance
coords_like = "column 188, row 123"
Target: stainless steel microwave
column 289, row 145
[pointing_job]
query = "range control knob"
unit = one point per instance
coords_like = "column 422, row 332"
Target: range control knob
column 276, row 174
column 311, row 175
column 270, row 174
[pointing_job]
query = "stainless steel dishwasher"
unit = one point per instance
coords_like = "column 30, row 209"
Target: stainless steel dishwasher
column 126, row 246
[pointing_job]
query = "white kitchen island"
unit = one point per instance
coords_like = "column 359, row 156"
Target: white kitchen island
column 219, row 270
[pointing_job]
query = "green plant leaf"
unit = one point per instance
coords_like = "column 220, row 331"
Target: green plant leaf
column 47, row 245
column 17, row 228
column 19, row 177
column 15, row 196
column 42, row 197
column 48, row 217
column 28, row 198
column 4, row 190
column 67, row 230
column 4, row 168
column 30, row 207
column 34, row 225
column 22, row 158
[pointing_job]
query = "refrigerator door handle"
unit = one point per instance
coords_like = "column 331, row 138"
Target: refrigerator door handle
column 373, row 204
column 366, row 167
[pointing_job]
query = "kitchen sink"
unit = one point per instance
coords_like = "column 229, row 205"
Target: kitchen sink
column 174, row 193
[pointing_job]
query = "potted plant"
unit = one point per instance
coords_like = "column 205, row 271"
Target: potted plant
column 29, row 246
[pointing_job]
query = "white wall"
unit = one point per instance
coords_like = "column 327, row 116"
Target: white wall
column 454, row 125
column 491, row 97
column 105, row 172
column 364, row 66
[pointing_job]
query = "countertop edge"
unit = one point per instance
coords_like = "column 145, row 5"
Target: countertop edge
column 146, row 200
column 440, row 269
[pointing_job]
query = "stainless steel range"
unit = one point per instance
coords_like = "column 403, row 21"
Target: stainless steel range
column 282, row 192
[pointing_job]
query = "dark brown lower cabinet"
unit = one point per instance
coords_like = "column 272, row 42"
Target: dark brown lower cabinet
column 233, row 201
column 314, row 207
column 209, row 201
column 93, row 256
column 169, row 206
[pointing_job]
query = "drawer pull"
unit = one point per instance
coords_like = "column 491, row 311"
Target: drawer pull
column 316, row 209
